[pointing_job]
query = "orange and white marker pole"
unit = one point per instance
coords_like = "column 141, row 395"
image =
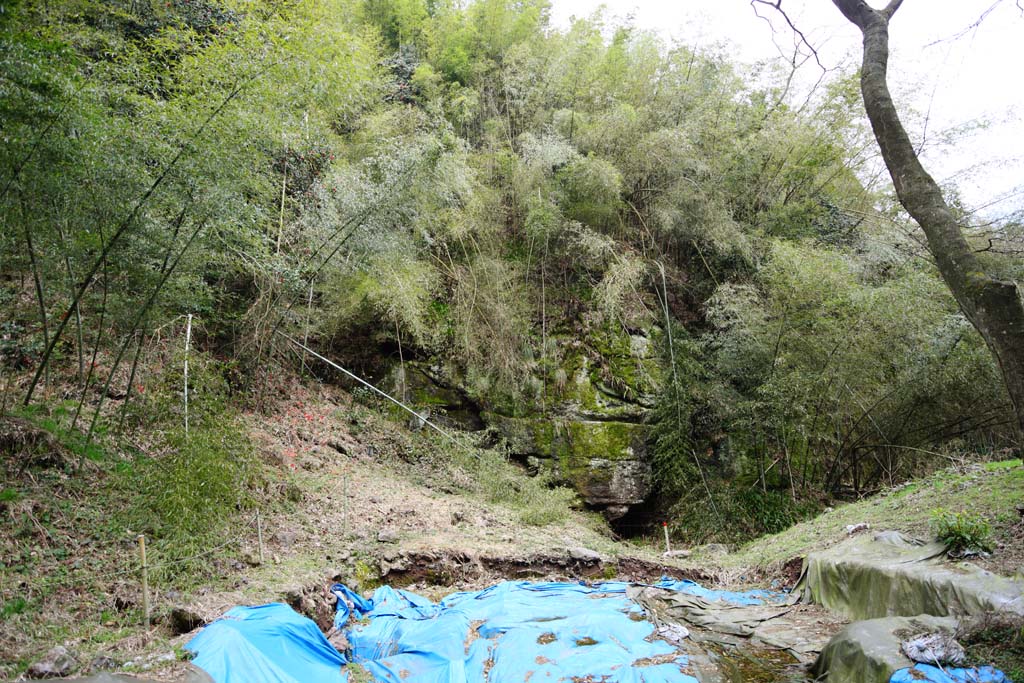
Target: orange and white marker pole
column 668, row 545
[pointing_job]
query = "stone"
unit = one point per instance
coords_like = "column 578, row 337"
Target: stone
column 614, row 512
column 337, row 444
column 678, row 553
column 310, row 601
column 605, row 460
column 286, row 538
column 58, row 663
column 586, row 555
column 387, row 536
column 852, row 529
column 184, row 620
column 102, row 663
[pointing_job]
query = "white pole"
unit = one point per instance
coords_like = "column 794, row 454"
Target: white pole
column 259, row 533
column 188, row 340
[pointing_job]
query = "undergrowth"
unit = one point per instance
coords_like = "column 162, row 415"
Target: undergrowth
column 737, row 516
column 189, row 499
column 488, row 473
column 996, row 640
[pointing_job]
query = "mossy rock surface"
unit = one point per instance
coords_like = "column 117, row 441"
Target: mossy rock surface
column 605, row 461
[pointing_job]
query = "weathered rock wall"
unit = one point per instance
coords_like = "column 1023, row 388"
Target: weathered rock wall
column 589, row 431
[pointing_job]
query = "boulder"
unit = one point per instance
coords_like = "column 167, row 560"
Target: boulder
column 869, row 651
column 585, row 555
column 58, row 663
column 606, row 461
column 102, row 663
column 387, row 536
column 871, row 576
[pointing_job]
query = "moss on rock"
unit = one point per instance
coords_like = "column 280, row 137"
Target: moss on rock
column 605, row 461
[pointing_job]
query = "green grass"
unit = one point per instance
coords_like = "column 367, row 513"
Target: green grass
column 990, row 491
column 12, row 607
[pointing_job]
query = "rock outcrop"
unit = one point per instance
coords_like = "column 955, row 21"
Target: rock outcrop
column 587, row 429
column 592, row 434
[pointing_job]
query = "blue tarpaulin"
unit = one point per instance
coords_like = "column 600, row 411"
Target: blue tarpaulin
column 514, row 632
column 268, row 644
column 511, row 632
column 933, row 674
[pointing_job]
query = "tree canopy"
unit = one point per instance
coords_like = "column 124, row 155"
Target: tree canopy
column 396, row 179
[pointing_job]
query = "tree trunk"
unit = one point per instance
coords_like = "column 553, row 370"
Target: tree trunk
column 993, row 306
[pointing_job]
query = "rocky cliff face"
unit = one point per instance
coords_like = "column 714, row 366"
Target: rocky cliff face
column 605, row 461
column 589, row 433
column 593, row 436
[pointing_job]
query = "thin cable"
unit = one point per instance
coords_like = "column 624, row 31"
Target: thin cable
column 372, row 388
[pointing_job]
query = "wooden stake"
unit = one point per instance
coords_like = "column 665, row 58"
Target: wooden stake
column 259, row 533
column 188, row 340
column 668, row 545
column 145, row 579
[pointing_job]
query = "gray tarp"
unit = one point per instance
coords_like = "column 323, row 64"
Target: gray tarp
column 788, row 626
column 869, row 651
column 889, row 574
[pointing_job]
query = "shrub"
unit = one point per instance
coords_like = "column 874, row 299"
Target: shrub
column 744, row 514
column 187, row 497
column 962, row 532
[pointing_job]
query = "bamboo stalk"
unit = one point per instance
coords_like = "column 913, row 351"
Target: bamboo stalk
column 139, row 320
column 126, row 223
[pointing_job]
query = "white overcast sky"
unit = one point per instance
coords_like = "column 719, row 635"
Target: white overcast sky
column 974, row 77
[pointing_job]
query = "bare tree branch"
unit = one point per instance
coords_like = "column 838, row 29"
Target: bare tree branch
column 894, row 5
column 974, row 25
column 777, row 6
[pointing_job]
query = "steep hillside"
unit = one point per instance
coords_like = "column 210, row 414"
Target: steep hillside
column 653, row 271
